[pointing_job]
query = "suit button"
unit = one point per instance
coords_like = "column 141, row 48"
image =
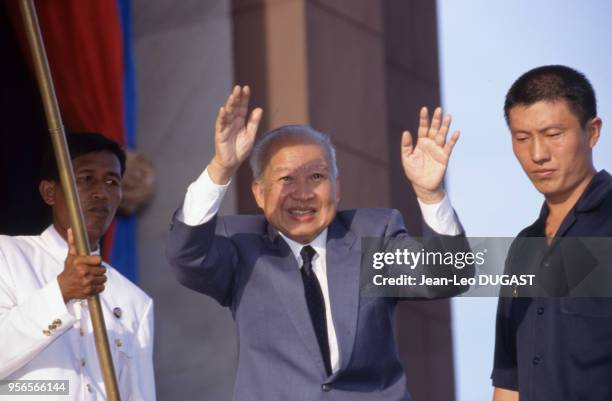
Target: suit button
column 537, row 360
column 326, row 387
column 546, row 264
column 540, row 310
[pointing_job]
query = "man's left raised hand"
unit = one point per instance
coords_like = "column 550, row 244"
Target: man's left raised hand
column 425, row 163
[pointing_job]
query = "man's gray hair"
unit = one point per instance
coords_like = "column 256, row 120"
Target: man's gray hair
column 258, row 160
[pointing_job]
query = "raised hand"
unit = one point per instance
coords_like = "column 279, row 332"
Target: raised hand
column 425, row 163
column 234, row 136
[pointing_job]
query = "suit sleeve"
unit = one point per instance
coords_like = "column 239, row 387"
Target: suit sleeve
column 432, row 242
column 204, row 258
column 29, row 326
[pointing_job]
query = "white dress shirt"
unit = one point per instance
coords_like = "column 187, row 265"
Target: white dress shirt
column 319, row 265
column 43, row 338
column 203, row 200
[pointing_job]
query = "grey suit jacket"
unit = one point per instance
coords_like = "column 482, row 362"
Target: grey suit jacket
column 243, row 263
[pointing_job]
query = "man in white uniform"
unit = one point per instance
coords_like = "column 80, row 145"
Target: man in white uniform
column 45, row 328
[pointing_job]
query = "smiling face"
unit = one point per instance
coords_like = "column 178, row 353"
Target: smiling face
column 553, row 148
column 296, row 191
column 98, row 180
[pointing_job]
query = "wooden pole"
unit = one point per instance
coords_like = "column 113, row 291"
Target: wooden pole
column 64, row 165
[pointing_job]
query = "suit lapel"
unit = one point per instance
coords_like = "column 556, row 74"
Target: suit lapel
column 343, row 273
column 287, row 282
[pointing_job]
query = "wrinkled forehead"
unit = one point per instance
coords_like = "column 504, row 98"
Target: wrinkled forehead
column 295, row 152
column 299, row 168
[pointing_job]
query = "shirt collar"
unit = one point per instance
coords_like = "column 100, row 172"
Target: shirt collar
column 318, row 244
column 596, row 191
column 57, row 244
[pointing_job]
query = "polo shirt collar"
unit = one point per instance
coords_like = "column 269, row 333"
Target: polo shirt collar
column 595, row 193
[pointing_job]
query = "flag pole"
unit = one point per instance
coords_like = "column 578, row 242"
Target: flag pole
column 64, row 165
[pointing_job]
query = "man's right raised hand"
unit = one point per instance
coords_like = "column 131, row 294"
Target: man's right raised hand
column 234, row 136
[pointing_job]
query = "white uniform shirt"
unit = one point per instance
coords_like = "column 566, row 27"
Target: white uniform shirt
column 42, row 338
column 203, row 200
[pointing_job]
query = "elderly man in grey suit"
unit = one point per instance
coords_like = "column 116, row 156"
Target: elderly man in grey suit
column 291, row 277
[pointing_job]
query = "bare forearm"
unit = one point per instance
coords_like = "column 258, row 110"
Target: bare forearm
column 501, row 394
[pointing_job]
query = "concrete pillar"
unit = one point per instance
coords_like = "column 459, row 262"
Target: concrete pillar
column 183, row 53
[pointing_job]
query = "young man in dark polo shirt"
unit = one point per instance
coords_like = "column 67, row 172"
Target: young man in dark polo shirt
column 556, row 348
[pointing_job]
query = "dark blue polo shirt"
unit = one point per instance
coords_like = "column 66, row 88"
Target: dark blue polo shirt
column 556, row 349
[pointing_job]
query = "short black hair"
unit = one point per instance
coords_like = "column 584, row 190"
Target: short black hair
column 79, row 144
column 551, row 83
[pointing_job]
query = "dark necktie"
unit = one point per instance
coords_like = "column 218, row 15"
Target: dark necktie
column 316, row 304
